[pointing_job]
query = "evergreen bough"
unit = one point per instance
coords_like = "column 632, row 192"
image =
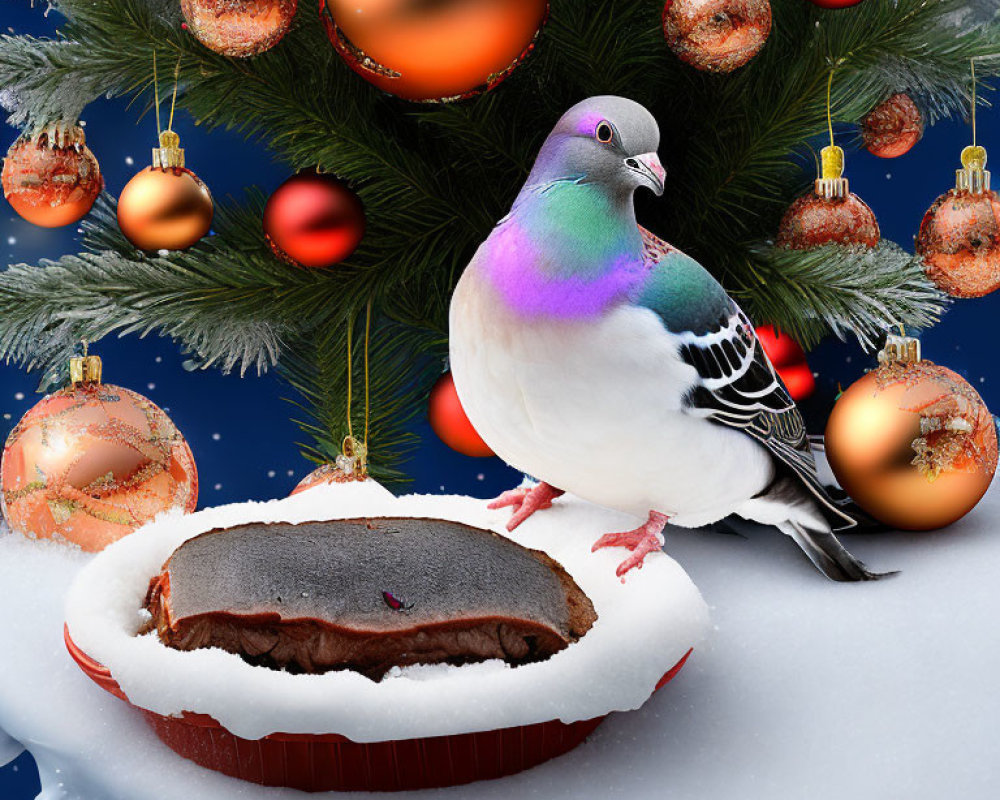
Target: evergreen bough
column 435, row 178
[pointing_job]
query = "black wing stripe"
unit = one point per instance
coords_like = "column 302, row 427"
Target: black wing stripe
column 753, row 400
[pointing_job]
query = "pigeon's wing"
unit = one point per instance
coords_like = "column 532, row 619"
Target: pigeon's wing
column 737, row 386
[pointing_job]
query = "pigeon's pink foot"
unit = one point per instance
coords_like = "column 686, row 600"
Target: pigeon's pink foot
column 646, row 539
column 526, row 501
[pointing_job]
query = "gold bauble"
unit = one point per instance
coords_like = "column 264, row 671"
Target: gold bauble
column 165, row 209
column 913, row 444
column 92, row 463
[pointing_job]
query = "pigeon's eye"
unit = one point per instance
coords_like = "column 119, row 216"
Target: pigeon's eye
column 604, row 132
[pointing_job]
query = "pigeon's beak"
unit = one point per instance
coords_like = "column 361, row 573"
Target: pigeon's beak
column 649, row 169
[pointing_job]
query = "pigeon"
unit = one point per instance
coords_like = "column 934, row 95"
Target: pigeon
column 596, row 357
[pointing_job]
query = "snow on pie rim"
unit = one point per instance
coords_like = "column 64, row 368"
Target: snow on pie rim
column 645, row 628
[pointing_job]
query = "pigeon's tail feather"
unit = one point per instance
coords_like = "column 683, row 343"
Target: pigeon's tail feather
column 829, row 555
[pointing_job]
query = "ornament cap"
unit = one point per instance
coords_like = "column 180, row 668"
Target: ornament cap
column 899, row 350
column 832, row 184
column 84, row 370
column 60, row 135
column 169, row 153
column 973, row 177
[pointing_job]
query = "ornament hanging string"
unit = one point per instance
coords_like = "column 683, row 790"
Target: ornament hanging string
column 156, row 95
column 829, row 105
column 356, row 451
column 972, row 64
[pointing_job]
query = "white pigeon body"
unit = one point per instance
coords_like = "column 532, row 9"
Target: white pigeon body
column 595, row 408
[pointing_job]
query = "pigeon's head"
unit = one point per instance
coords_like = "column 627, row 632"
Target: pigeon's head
column 608, row 140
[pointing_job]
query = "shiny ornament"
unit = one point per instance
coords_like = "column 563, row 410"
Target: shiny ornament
column 959, row 238
column 94, row 462
column 314, row 220
column 912, row 442
column 441, row 50
column 332, row 474
column 892, row 128
column 239, row 28
column 448, row 419
column 830, row 213
column 52, row 179
column 789, row 361
column 166, row 206
column 716, row 35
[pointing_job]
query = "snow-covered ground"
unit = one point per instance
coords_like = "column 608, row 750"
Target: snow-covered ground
column 806, row 689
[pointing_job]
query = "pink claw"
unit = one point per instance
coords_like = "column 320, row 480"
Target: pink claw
column 646, row 539
column 526, row 501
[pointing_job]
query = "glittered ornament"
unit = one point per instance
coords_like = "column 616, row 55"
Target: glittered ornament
column 52, row 179
column 716, row 35
column 449, row 421
column 93, row 462
column 829, row 213
column 892, row 128
column 959, row 238
column 788, row 360
column 912, row 442
column 441, row 50
column 336, row 475
column 314, row 220
column 239, row 28
column 166, row 206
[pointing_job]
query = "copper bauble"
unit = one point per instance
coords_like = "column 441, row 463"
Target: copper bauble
column 716, row 35
column 913, row 444
column 52, row 179
column 93, row 462
column 239, row 28
column 892, row 128
column 328, row 474
column 959, row 240
column 449, row 421
column 440, row 50
column 165, row 209
column 812, row 221
column 314, row 220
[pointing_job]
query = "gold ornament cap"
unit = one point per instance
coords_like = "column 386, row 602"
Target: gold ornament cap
column 899, row 350
column 169, row 153
column 973, row 177
column 84, row 369
column 832, row 184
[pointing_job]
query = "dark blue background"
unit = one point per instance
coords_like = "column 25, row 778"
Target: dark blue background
column 239, row 430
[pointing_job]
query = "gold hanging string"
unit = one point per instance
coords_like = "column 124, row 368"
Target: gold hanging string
column 350, row 379
column 156, row 95
column 829, row 105
column 173, row 101
column 368, row 336
column 972, row 64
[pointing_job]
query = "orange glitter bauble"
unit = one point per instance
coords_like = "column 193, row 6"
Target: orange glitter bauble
column 959, row 240
column 892, row 128
column 449, row 421
column 813, row 221
column 913, row 444
column 440, row 50
column 91, row 464
column 327, row 473
column 165, row 209
column 52, row 179
column 239, row 28
column 716, row 35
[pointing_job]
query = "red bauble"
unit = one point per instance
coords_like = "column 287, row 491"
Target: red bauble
column 789, row 361
column 314, row 220
column 239, row 28
column 892, row 128
column 440, row 50
column 834, row 3
column 52, row 179
column 716, row 35
column 447, row 418
column 813, row 221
